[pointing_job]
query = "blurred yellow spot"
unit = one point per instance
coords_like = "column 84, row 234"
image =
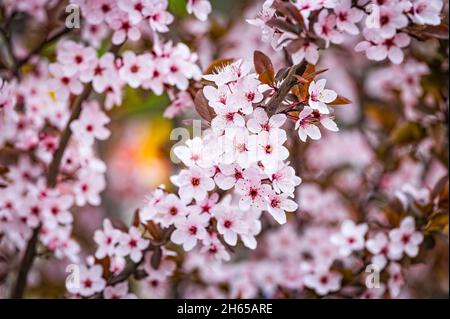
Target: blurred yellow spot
column 52, row 95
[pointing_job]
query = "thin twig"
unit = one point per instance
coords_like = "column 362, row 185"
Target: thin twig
column 276, row 101
column 30, row 252
column 132, row 267
column 25, row 265
column 52, row 178
column 65, row 137
column 10, row 51
column 42, row 45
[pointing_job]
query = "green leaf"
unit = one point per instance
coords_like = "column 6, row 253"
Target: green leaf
column 178, row 7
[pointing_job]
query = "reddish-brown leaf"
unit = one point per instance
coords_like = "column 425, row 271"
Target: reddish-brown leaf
column 438, row 223
column 202, row 107
column 119, row 224
column 310, row 69
column 154, row 230
column 264, row 68
column 136, row 219
column 290, row 11
column 440, row 187
column 3, row 170
column 429, row 31
column 301, row 79
column 106, row 265
column 281, row 25
column 156, row 258
column 340, row 100
column 301, row 91
column 217, row 65
column 311, row 76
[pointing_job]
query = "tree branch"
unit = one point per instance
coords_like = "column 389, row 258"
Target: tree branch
column 132, row 267
column 25, row 265
column 30, row 252
column 42, row 45
column 65, row 137
column 10, row 51
column 275, row 101
column 52, row 178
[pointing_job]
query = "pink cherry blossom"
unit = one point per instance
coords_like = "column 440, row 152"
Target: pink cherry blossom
column 124, row 29
column 91, row 124
column 75, row 58
column 380, row 247
column 270, row 149
column 88, row 187
column 56, row 210
column 205, row 206
column 134, row 9
column 94, row 34
column 347, row 17
column 132, row 244
column 180, row 104
column 308, row 51
column 391, row 19
column 278, row 204
column 200, row 8
column 119, row 291
column 246, row 94
column 426, row 12
column 91, row 281
column 378, row 48
column 306, row 125
column 214, row 249
column 406, row 239
column 284, row 179
column 324, row 282
column 319, row 96
column 71, row 83
column 194, row 183
column 226, row 175
column 181, row 67
column 107, row 240
column 261, row 122
column 156, row 14
column 193, row 153
column 253, row 194
column 239, row 146
column 229, row 73
column 102, row 73
column 396, row 280
column 189, row 230
column 217, row 97
column 229, row 223
column 171, row 209
column 98, row 11
column 135, row 68
column 325, row 27
column 351, row 237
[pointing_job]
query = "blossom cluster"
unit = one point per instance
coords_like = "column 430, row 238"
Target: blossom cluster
column 288, row 270
column 127, row 19
column 242, row 154
column 130, row 20
column 35, row 117
column 384, row 25
column 405, row 78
